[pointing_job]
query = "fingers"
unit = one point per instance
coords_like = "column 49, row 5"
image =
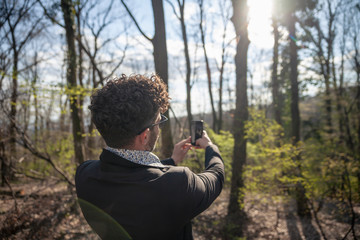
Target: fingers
column 180, row 150
column 184, row 141
column 204, row 141
column 186, row 146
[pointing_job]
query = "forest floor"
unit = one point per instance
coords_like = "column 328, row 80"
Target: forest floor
column 46, row 210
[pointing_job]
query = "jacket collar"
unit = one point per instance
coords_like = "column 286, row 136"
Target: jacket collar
column 137, row 156
column 109, row 158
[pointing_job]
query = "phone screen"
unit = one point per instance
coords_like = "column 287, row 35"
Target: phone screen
column 196, row 130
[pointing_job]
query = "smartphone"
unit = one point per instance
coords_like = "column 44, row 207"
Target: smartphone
column 196, row 130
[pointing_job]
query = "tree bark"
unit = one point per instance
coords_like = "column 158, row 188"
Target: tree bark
column 80, row 78
column 236, row 213
column 356, row 59
column 13, row 113
column 161, row 68
column 187, row 60
column 207, row 65
column 3, row 159
column 221, row 83
column 301, row 199
column 295, row 114
column 274, row 75
column 68, row 13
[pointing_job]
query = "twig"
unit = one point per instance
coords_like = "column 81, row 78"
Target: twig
column 177, row 121
column 352, row 229
column 12, row 193
column 317, row 219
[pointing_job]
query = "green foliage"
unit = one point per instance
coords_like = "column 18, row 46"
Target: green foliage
column 61, row 150
column 275, row 166
column 195, row 160
column 330, row 171
column 225, row 141
column 272, row 162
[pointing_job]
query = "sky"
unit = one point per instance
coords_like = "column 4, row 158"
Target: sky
column 139, row 52
column 259, row 50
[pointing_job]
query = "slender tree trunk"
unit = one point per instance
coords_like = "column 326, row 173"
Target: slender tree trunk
column 358, row 130
column 68, row 12
column 81, row 83
column 328, row 99
column 236, row 213
column 221, row 82
column 161, row 68
column 225, row 18
column 15, row 48
column 343, row 119
column 208, row 71
column 274, row 77
column 330, row 42
column 3, row 160
column 357, row 70
column 301, row 199
column 13, row 114
column 187, row 60
column 91, row 137
column 36, row 105
column 295, row 114
column 325, row 71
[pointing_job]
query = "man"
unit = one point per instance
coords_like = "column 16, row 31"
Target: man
column 129, row 191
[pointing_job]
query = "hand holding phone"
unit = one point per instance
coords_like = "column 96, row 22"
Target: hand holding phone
column 196, row 130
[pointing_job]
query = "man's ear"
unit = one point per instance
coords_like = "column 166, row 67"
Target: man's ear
column 144, row 137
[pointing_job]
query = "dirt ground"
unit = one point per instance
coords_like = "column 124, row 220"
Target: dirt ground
column 47, row 210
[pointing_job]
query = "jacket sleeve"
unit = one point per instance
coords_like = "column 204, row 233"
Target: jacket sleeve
column 202, row 189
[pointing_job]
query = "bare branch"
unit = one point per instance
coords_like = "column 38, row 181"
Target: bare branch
column 48, row 15
column 120, row 62
column 136, row 23
column 92, row 59
column 173, row 8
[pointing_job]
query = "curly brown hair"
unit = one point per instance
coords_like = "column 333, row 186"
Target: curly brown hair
column 127, row 104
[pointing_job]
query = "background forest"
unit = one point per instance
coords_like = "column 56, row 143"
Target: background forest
column 276, row 81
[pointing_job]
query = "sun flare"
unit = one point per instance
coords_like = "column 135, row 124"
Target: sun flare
column 260, row 23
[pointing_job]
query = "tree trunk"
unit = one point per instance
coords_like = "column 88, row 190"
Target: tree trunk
column 357, row 71
column 358, row 130
column 328, row 99
column 274, row 77
column 67, row 9
column 36, row 105
column 187, row 60
column 221, row 82
column 161, row 68
column 91, row 128
column 236, row 213
column 13, row 113
column 226, row 18
column 301, row 199
column 81, row 83
column 208, row 71
column 330, row 43
column 3, row 158
column 295, row 115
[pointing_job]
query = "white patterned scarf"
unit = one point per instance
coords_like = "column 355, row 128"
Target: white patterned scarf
column 137, row 156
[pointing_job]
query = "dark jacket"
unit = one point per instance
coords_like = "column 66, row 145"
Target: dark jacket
column 148, row 202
